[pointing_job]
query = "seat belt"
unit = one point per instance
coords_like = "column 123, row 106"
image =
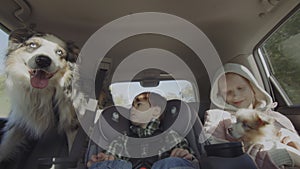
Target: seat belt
column 81, row 141
column 79, row 147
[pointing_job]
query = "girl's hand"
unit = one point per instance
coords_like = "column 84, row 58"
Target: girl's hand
column 289, row 138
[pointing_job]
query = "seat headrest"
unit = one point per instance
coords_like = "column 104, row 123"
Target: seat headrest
column 113, row 122
column 200, row 108
column 177, row 117
column 117, row 117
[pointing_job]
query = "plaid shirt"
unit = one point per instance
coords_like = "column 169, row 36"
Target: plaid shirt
column 152, row 127
column 118, row 146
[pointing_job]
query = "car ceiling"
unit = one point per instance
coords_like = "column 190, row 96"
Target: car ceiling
column 233, row 26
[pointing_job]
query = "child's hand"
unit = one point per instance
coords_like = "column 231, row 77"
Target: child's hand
column 181, row 153
column 98, row 158
column 289, row 138
column 290, row 142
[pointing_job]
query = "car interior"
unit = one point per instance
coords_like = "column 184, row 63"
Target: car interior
column 172, row 47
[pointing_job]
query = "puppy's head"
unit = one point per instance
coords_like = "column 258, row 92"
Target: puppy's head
column 38, row 58
column 251, row 125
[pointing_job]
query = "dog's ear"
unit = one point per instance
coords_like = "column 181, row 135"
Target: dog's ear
column 264, row 119
column 19, row 36
column 73, row 52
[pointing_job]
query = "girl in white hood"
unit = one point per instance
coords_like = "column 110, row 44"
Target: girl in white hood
column 235, row 87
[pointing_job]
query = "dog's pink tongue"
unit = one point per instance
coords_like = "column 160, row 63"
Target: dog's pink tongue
column 39, row 79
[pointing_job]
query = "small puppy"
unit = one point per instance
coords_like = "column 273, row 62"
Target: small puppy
column 252, row 127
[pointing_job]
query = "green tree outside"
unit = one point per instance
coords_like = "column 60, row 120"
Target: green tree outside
column 283, row 50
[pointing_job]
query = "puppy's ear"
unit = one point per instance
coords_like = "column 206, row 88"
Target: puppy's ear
column 19, row 36
column 73, row 52
column 264, row 119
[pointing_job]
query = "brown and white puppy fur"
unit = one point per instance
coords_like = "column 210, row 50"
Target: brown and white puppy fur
column 252, row 127
column 40, row 69
column 255, row 127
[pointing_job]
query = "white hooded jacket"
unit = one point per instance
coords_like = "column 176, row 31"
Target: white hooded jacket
column 262, row 97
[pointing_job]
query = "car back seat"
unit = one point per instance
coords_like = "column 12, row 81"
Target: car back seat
column 50, row 150
column 178, row 117
column 177, row 112
column 200, row 107
column 51, row 144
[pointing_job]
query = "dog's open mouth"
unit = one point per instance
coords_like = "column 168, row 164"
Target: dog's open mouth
column 40, row 78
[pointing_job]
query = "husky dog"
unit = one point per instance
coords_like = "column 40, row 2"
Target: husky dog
column 40, row 70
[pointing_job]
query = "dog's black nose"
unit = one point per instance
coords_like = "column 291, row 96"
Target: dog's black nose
column 43, row 61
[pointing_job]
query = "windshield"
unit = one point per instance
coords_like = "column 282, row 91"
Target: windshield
column 124, row 92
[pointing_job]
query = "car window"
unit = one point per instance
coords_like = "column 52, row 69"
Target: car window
column 282, row 52
column 123, row 93
column 4, row 100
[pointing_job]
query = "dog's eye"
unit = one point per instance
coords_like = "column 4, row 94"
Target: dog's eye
column 59, row 52
column 245, row 125
column 33, row 45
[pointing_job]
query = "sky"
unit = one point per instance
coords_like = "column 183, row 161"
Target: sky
column 3, row 47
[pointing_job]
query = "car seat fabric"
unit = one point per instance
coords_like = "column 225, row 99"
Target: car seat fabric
column 200, row 108
column 184, row 121
column 178, row 112
column 51, row 148
column 51, row 144
column 112, row 122
column 244, row 161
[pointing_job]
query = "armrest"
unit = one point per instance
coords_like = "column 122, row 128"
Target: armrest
column 243, row 161
column 230, row 149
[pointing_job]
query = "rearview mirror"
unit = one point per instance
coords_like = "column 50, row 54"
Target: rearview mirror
column 149, row 83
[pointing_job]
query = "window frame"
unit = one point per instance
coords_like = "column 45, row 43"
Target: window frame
column 265, row 67
column 5, row 30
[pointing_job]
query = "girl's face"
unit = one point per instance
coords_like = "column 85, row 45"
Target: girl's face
column 236, row 90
